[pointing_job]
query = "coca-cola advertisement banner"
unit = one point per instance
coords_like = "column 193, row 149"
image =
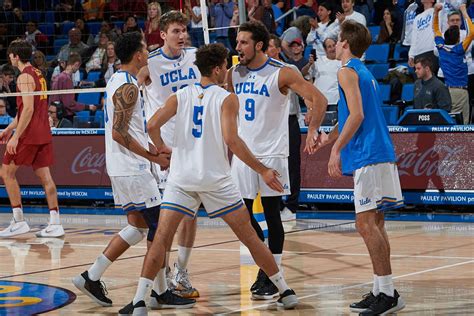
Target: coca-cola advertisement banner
column 442, row 161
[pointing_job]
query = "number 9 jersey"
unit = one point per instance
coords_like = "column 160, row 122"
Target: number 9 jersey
column 264, row 110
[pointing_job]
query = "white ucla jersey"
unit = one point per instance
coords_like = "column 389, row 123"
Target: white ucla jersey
column 200, row 158
column 119, row 160
column 263, row 114
column 168, row 75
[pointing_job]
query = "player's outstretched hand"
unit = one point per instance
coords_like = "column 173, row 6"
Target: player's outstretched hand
column 5, row 136
column 334, row 165
column 270, row 176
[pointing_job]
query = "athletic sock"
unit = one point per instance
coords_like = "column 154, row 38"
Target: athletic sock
column 18, row 213
column 98, row 268
column 183, row 256
column 386, row 284
column 144, row 286
column 279, row 282
column 159, row 284
column 54, row 216
column 375, row 287
column 278, row 257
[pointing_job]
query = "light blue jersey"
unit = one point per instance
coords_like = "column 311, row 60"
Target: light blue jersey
column 371, row 143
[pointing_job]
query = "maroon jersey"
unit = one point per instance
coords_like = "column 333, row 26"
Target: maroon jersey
column 38, row 130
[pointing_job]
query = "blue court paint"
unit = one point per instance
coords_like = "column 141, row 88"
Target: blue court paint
column 25, row 298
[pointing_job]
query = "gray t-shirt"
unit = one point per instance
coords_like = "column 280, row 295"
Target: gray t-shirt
column 432, row 92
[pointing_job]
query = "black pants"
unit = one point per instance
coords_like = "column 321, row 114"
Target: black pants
column 294, row 163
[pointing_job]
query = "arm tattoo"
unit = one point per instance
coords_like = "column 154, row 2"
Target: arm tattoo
column 124, row 99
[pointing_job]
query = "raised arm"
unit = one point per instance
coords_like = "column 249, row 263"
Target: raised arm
column 125, row 99
column 470, row 27
column 230, row 111
column 437, row 32
column 316, row 101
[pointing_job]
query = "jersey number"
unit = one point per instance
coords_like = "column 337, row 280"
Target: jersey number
column 44, row 87
column 197, row 119
column 250, row 109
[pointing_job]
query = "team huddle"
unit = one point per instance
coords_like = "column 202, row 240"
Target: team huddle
column 172, row 115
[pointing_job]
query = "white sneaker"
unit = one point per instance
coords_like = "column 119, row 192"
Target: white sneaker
column 15, row 229
column 287, row 215
column 52, row 231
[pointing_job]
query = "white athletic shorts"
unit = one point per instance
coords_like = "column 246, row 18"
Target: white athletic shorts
column 160, row 176
column 217, row 203
column 135, row 193
column 377, row 187
column 250, row 183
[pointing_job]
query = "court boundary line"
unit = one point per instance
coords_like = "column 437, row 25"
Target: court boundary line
column 352, row 286
column 173, row 250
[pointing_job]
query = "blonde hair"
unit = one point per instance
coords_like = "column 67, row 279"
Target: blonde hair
column 155, row 22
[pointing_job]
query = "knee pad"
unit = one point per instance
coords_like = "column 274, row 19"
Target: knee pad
column 151, row 216
column 132, row 235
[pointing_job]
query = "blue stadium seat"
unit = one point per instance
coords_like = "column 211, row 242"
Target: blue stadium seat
column 83, row 113
column 58, row 43
column 65, row 27
column 141, row 24
column 119, row 24
column 46, row 28
column 36, row 16
column 378, row 70
column 94, row 27
column 385, row 90
column 89, row 98
column 50, row 58
column 400, row 52
column 390, row 113
column 408, row 91
column 99, row 118
column 374, row 31
column 93, row 76
column 49, row 17
column 377, row 53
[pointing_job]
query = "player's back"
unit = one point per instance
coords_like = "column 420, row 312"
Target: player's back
column 38, row 130
column 119, row 160
column 200, row 157
column 371, row 143
column 263, row 114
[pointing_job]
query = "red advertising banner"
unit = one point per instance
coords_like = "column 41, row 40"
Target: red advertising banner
column 425, row 160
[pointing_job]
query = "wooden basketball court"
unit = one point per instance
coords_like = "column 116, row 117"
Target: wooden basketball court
column 325, row 262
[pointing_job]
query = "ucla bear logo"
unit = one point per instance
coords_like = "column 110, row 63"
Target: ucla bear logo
column 25, row 298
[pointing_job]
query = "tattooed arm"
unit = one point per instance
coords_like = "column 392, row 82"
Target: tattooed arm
column 125, row 99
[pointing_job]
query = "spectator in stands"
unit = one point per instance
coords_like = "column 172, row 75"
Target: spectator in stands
column 64, row 81
column 5, row 40
column 131, row 25
column 303, row 64
column 422, row 43
column 3, row 112
column 300, row 29
column 108, row 27
column 278, row 8
column 34, row 36
column 222, row 12
column 8, row 85
column 294, row 160
column 96, row 54
column 39, row 62
column 137, row 7
column 325, row 71
column 364, row 7
column 93, row 9
column 408, row 19
column 319, row 30
column 6, row 13
column 262, row 11
column 75, row 45
column 430, row 92
column 390, row 28
column 349, row 13
column 109, row 65
column 67, row 10
column 193, row 12
column 56, row 119
column 452, row 60
column 86, row 36
column 306, row 9
column 17, row 28
column 152, row 27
